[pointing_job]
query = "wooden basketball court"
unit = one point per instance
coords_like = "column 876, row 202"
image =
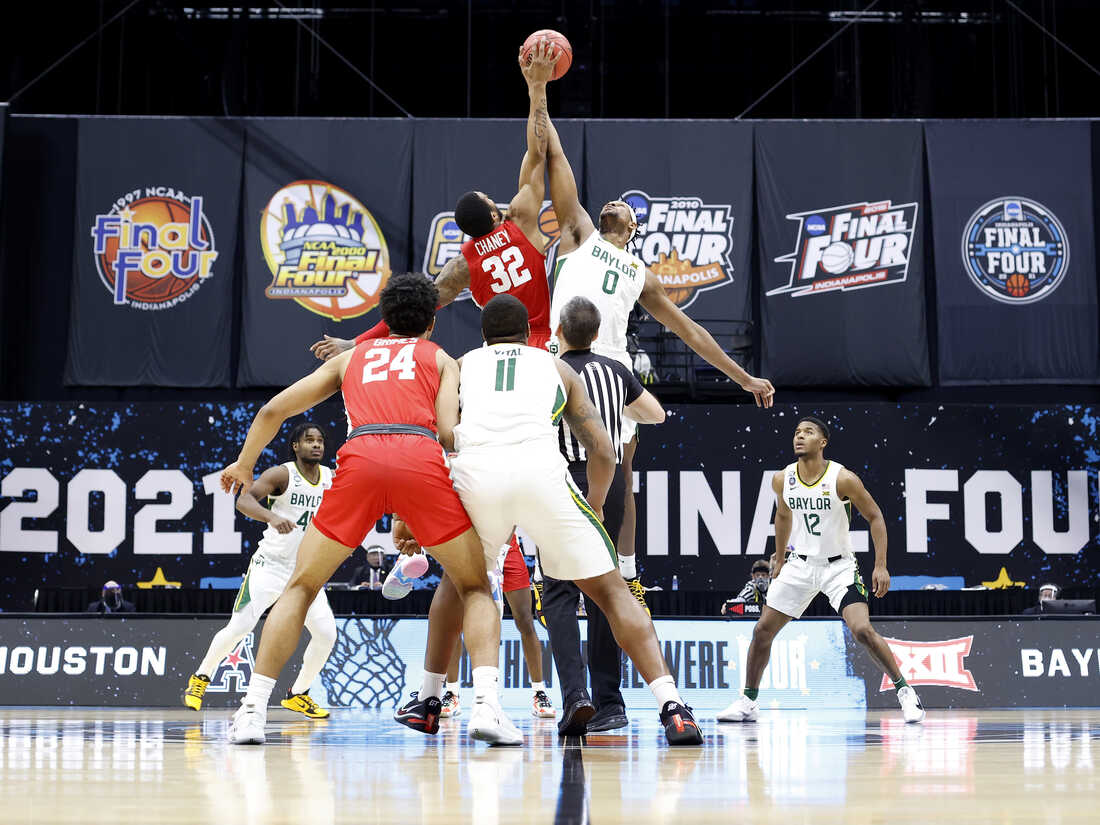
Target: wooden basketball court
column 163, row 765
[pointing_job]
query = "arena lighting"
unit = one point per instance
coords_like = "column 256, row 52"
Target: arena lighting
column 865, row 17
column 230, row 12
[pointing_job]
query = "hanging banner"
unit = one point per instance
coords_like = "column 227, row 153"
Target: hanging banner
column 690, row 185
column 457, row 156
column 156, row 228
column 841, row 253
column 326, row 222
column 1015, row 264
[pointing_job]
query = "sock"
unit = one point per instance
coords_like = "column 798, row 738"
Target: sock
column 451, row 687
column 485, row 684
column 537, row 686
column 259, row 690
column 628, row 566
column 899, row 683
column 751, row 693
column 664, row 690
column 431, row 685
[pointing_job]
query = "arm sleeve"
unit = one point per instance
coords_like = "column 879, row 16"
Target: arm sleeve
column 379, row 330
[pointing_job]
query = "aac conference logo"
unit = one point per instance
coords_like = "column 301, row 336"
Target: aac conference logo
column 324, row 249
column 154, row 248
column 1015, row 250
column 855, row 246
column 685, row 242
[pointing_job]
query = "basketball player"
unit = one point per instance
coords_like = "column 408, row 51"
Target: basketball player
column 510, row 472
column 596, row 265
column 516, row 586
column 401, row 397
column 294, row 491
column 814, row 498
column 505, row 253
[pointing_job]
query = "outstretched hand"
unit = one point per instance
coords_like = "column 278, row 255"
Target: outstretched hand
column 329, row 347
column 761, row 389
column 540, row 66
column 236, row 478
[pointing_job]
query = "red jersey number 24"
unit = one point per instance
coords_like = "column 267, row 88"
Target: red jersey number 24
column 379, row 365
column 505, row 270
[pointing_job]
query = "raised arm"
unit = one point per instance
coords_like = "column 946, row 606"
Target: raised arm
column 587, row 427
column 272, row 482
column 850, row 487
column 656, row 302
column 446, row 399
column 297, row 398
column 526, row 205
column 575, row 223
column 783, row 518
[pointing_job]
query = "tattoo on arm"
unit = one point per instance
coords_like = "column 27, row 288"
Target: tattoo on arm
column 586, row 425
column 454, row 278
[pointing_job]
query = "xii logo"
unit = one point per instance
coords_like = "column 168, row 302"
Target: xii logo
column 933, row 663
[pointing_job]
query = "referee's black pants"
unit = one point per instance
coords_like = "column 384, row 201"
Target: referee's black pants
column 559, row 607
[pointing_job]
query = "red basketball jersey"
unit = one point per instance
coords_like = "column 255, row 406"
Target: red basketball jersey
column 504, row 261
column 392, row 381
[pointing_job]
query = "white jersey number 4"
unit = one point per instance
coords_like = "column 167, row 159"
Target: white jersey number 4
column 506, row 279
column 404, row 364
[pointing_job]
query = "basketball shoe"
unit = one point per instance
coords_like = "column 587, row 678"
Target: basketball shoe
column 400, row 580
column 247, row 727
column 420, row 715
column 742, row 710
column 638, row 592
column 911, row 708
column 680, row 725
column 541, row 706
column 303, row 704
column 196, row 689
column 451, row 706
column 488, row 723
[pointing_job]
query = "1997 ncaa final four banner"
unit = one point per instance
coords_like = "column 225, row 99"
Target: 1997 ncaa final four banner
column 842, row 253
column 157, row 206
column 1015, row 265
column 690, row 185
column 326, row 222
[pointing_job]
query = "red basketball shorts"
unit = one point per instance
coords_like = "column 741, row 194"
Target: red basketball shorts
column 515, row 572
column 403, row 474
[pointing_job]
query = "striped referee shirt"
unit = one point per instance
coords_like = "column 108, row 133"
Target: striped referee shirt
column 611, row 386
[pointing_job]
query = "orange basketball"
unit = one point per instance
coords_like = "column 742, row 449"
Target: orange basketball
column 548, row 224
column 565, row 51
column 1017, row 285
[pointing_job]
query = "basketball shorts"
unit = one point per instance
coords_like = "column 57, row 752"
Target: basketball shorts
column 265, row 581
column 403, row 474
column 514, row 569
column 538, row 340
column 529, row 486
column 798, row 582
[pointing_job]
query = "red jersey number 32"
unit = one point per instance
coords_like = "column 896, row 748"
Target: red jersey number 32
column 505, row 270
column 379, row 365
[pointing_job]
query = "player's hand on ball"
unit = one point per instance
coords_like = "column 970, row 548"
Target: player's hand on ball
column 541, row 64
column 880, row 582
column 282, row 525
column 329, row 347
column 761, row 389
column 403, row 539
column 236, row 478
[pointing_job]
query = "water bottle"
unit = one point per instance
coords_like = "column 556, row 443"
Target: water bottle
column 675, row 582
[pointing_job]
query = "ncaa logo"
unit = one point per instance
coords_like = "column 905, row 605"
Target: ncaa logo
column 1015, row 250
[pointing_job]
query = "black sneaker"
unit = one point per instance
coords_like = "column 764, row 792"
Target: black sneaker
column 575, row 715
column 608, row 717
column 680, row 726
column 420, row 715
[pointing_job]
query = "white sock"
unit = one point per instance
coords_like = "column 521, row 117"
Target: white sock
column 485, row 684
column 537, row 686
column 259, row 691
column 431, row 685
column 664, row 690
column 628, row 566
column 451, row 687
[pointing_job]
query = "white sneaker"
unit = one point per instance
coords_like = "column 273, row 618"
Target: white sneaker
column 541, row 706
column 911, row 708
column 247, row 727
column 743, row 710
column 491, row 724
column 400, row 580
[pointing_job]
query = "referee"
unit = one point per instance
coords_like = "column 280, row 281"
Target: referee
column 615, row 392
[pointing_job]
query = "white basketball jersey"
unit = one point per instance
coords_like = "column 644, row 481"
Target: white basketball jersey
column 298, row 503
column 821, row 517
column 509, row 394
column 609, row 277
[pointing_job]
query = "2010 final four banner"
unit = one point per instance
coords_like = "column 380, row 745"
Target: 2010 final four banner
column 1015, row 264
column 157, row 205
column 842, row 264
column 326, row 223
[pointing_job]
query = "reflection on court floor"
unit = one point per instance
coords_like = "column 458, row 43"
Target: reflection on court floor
column 157, row 765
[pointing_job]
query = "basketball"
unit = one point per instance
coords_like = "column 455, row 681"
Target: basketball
column 565, row 51
column 836, row 258
column 1018, row 285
